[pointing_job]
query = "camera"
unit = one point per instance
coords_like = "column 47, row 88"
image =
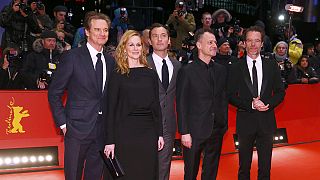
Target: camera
column 45, row 76
column 189, row 41
column 285, row 67
column 181, row 12
column 172, row 31
column 40, row 5
column 24, row 7
column 236, row 25
column 123, row 12
column 14, row 58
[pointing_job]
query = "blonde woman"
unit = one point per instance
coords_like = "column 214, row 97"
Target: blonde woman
column 134, row 125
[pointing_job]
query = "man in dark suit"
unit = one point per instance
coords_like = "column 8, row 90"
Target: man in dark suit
column 202, row 108
column 84, row 73
column 167, row 70
column 255, row 88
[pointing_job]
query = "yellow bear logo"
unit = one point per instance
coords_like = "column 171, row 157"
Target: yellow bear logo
column 15, row 126
column 17, row 117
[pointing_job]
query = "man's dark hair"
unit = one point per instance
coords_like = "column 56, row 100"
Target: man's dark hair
column 198, row 34
column 158, row 25
column 254, row 29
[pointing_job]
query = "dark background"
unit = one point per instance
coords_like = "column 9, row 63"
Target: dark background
column 143, row 13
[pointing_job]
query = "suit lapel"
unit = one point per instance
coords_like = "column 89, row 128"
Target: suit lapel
column 246, row 75
column 108, row 70
column 264, row 76
column 88, row 66
column 174, row 75
column 153, row 66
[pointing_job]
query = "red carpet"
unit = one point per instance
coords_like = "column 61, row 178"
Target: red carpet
column 296, row 162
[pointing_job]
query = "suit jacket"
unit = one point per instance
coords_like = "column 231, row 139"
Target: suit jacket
column 199, row 109
column 167, row 97
column 76, row 74
column 240, row 93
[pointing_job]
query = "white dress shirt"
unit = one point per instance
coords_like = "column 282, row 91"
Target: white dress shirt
column 259, row 70
column 93, row 53
column 158, row 63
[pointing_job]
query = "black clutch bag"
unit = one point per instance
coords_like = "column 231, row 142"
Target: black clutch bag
column 113, row 165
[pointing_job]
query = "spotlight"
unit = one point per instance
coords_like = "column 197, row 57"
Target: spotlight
column 40, row 158
column 7, row 161
column 24, row 159
column 281, row 17
column 33, row 159
column 16, row 160
column 28, row 157
column 49, row 158
column 279, row 137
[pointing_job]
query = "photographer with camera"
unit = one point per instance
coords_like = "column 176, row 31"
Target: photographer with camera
column 221, row 17
column 60, row 13
column 180, row 22
column 43, row 19
column 120, row 24
column 281, row 56
column 62, row 45
column 10, row 67
column 18, row 21
column 40, row 65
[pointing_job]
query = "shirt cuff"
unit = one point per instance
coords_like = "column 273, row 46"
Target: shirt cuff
column 252, row 106
column 63, row 126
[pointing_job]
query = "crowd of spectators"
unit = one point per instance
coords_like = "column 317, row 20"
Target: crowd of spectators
column 33, row 42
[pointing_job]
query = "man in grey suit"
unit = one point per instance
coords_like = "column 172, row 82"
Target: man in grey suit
column 167, row 70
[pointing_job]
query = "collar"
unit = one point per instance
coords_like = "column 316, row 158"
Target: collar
column 93, row 51
column 258, row 59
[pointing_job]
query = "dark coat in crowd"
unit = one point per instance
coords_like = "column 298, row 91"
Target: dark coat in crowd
column 37, row 63
column 308, row 73
column 11, row 78
column 14, row 24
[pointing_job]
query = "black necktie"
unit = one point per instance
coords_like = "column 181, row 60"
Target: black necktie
column 165, row 75
column 254, row 79
column 99, row 72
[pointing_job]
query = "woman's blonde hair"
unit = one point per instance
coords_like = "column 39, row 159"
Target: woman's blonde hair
column 121, row 54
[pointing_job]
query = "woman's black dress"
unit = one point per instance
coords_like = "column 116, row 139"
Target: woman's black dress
column 134, row 122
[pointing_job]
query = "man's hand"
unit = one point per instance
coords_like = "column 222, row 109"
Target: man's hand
column 41, row 84
column 304, row 80
column 259, row 105
column 5, row 63
column 64, row 130
column 109, row 150
column 160, row 143
column 15, row 7
column 186, row 140
column 23, row 13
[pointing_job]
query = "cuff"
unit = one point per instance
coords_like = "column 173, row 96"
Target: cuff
column 63, row 126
